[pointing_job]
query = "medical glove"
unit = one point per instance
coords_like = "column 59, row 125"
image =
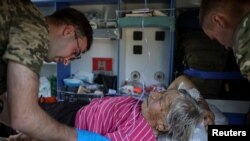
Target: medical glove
column 83, row 135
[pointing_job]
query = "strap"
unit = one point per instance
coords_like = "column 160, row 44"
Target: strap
column 1, row 106
column 212, row 75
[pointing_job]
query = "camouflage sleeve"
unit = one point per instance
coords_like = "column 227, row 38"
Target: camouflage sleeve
column 28, row 43
column 241, row 47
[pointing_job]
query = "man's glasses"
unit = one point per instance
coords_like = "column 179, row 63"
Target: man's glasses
column 78, row 53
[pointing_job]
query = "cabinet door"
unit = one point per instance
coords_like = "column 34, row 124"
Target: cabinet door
column 144, row 32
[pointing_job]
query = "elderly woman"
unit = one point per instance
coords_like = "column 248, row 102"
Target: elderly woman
column 185, row 109
column 175, row 112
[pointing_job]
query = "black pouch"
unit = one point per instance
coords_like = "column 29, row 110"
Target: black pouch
column 1, row 106
column 3, row 78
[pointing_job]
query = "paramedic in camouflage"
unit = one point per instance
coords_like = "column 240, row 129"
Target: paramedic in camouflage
column 228, row 21
column 17, row 32
column 26, row 39
column 241, row 46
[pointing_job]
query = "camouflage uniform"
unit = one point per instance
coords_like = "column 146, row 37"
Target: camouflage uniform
column 23, row 36
column 241, row 46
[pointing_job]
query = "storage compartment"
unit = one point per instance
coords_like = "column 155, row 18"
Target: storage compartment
column 70, row 94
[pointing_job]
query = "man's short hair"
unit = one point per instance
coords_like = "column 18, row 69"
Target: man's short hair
column 76, row 18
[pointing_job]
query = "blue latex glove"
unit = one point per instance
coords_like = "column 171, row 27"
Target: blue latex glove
column 83, row 135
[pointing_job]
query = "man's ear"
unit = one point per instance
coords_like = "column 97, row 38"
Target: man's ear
column 218, row 20
column 69, row 30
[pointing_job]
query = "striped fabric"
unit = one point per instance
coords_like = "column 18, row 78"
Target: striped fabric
column 118, row 118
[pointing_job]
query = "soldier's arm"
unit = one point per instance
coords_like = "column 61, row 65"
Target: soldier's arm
column 25, row 114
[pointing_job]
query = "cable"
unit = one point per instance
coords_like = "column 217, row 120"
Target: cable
column 145, row 44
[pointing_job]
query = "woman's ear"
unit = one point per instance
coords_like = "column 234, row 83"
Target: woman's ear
column 162, row 127
column 155, row 95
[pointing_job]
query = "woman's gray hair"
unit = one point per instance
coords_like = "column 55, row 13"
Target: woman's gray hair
column 183, row 117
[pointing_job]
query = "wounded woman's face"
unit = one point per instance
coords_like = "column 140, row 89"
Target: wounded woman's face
column 156, row 107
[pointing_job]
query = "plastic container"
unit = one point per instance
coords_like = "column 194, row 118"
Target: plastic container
column 71, row 82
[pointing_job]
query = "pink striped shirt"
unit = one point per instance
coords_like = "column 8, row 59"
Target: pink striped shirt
column 118, row 118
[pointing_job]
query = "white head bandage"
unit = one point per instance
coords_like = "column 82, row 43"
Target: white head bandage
column 194, row 93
